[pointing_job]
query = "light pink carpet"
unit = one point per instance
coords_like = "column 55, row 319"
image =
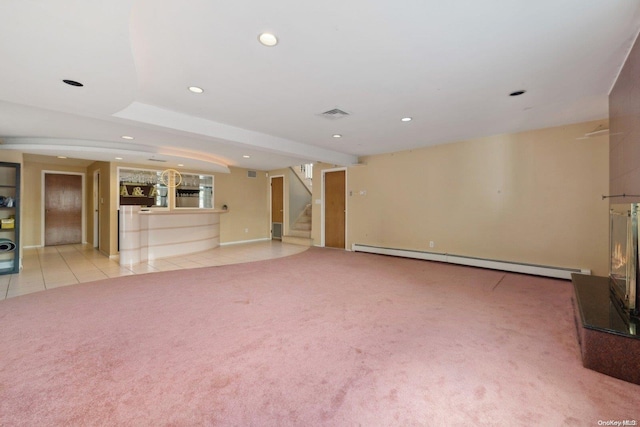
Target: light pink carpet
column 321, row 338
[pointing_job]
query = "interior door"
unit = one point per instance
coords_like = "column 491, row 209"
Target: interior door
column 96, row 209
column 62, row 209
column 334, row 209
column 277, row 207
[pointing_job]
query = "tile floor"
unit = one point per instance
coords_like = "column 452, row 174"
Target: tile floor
column 54, row 266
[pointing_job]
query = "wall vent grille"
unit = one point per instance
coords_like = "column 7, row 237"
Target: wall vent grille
column 276, row 230
column 252, row 174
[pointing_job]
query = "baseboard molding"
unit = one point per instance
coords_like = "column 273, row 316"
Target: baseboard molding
column 533, row 269
column 346, row 249
column 239, row 242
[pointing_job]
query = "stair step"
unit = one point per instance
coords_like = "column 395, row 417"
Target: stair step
column 296, row 240
column 301, row 226
column 299, row 233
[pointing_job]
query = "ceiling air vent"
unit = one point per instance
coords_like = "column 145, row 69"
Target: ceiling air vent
column 252, row 174
column 334, row 114
column 157, row 160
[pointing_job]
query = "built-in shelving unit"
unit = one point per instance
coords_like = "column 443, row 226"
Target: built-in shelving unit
column 142, row 187
column 195, row 191
column 165, row 189
column 9, row 218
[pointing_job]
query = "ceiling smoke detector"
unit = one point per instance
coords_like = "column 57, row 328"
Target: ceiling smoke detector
column 334, row 114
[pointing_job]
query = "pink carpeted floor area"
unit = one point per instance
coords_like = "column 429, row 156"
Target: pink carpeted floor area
column 322, row 338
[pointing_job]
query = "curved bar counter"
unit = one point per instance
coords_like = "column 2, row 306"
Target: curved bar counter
column 152, row 234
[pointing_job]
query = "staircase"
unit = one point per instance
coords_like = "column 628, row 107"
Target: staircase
column 305, row 174
column 300, row 233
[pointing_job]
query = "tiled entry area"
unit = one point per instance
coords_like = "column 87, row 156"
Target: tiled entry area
column 54, row 266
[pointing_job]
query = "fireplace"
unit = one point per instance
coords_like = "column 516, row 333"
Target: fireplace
column 606, row 308
column 623, row 262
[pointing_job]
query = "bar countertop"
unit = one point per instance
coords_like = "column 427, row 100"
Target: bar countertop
column 165, row 211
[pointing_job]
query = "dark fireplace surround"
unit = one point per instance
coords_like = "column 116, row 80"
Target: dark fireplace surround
column 606, row 308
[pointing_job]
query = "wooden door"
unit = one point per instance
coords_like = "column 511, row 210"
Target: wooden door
column 334, row 209
column 277, row 207
column 63, row 209
column 96, row 209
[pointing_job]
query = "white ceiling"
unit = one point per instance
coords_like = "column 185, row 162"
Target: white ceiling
column 448, row 64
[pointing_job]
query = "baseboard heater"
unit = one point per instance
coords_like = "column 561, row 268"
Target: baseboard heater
column 536, row 270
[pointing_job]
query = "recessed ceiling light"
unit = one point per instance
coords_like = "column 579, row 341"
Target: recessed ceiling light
column 246, row 156
column 118, row 158
column 268, row 39
column 517, row 93
column 127, row 137
column 196, row 89
column 406, row 119
column 73, row 83
column 180, row 164
column 62, row 157
column 336, row 135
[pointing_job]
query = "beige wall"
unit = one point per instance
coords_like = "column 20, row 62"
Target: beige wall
column 248, row 202
column 532, row 197
column 247, row 199
column 11, row 156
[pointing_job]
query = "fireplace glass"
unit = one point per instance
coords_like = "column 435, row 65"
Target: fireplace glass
column 623, row 262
